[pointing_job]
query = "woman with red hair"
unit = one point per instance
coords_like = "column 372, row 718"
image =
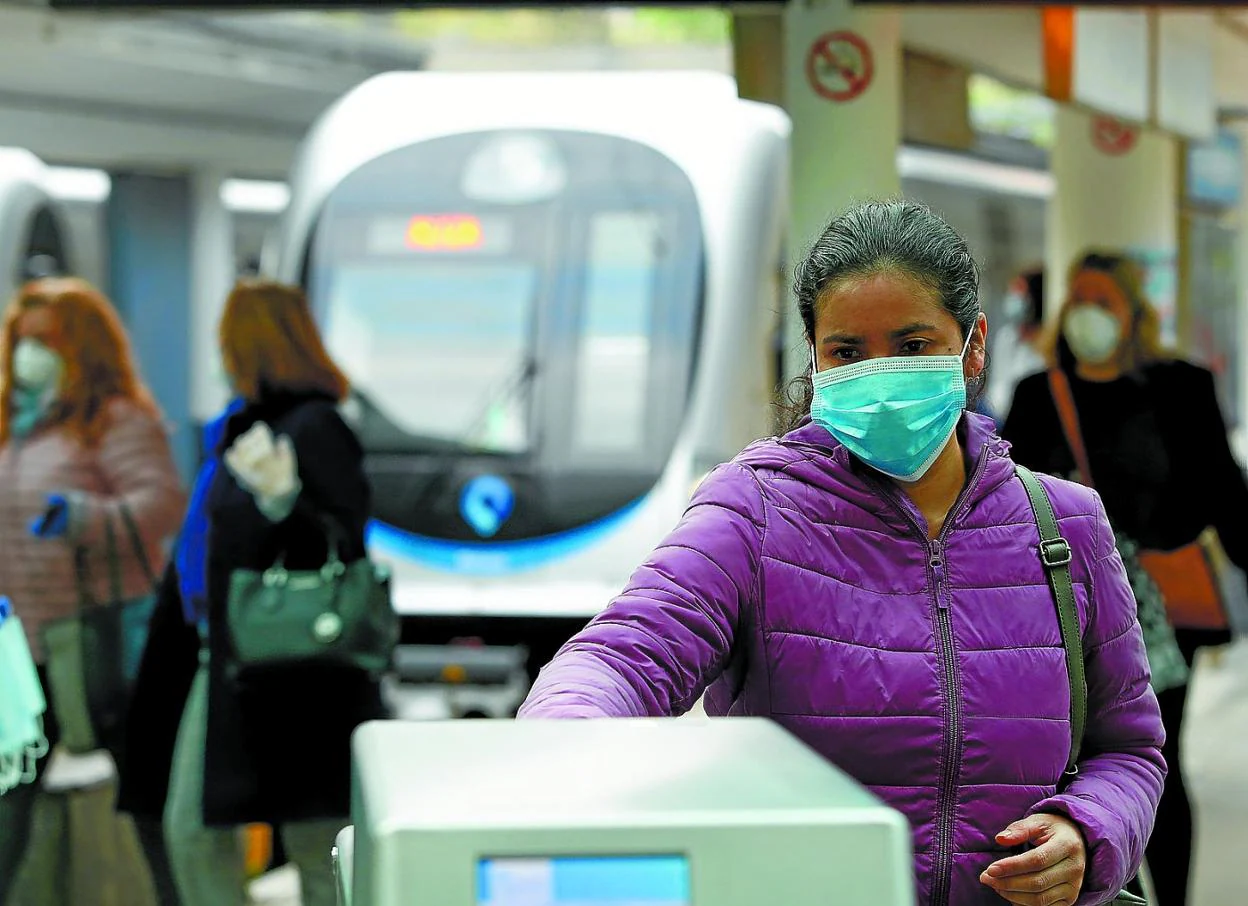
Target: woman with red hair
column 82, row 448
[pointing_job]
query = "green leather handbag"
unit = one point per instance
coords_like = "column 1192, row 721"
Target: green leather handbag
column 340, row 615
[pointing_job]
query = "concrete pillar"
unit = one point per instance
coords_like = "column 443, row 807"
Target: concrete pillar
column 842, row 88
column 758, row 56
column 1117, row 188
column 148, row 220
column 758, row 65
column 212, row 276
column 1239, row 436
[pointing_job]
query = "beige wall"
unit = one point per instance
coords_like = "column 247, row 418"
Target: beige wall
column 1129, row 201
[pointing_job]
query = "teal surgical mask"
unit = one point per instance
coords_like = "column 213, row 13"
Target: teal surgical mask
column 897, row 413
column 22, row 705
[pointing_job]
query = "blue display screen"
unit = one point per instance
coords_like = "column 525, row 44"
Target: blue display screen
column 584, row 881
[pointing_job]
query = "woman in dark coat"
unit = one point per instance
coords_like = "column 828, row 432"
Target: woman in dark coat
column 1156, row 447
column 273, row 747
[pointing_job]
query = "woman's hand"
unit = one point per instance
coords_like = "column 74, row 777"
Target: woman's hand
column 265, row 466
column 1049, row 875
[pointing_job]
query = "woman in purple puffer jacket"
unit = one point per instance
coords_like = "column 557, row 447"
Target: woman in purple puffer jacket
column 871, row 581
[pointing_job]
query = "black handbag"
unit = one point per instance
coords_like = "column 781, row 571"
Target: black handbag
column 339, row 614
column 1055, row 554
column 87, row 653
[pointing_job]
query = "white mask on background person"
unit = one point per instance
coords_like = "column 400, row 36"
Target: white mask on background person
column 1014, row 307
column 35, row 366
column 1094, row 334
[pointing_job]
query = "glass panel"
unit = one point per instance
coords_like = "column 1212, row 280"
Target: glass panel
column 617, row 320
column 1213, row 288
column 45, row 249
column 444, row 351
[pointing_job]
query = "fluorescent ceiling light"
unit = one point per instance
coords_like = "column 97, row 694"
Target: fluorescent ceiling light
column 955, row 169
column 20, row 163
column 78, row 184
column 254, row 196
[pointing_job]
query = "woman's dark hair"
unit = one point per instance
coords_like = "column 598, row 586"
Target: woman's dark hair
column 897, row 237
column 1031, row 281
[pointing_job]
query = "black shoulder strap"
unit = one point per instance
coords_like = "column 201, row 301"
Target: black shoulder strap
column 136, row 543
column 1055, row 554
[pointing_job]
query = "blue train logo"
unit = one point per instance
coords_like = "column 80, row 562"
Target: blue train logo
column 486, row 504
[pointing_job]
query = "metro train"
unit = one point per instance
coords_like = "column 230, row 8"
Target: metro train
column 541, row 286
column 33, row 235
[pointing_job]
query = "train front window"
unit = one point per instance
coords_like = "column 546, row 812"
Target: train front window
column 543, row 331
column 443, row 351
column 45, row 248
column 613, row 359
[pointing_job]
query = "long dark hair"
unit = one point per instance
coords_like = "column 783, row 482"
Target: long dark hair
column 898, row 237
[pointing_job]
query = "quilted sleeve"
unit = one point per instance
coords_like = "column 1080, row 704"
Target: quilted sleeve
column 1114, row 796
column 136, row 463
column 657, row 646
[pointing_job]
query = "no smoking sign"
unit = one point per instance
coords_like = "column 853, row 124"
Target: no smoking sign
column 839, row 66
column 1112, row 136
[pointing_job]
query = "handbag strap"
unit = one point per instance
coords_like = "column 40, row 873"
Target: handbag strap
column 1055, row 554
column 136, row 542
column 82, row 568
column 114, row 560
column 1068, row 415
column 335, row 540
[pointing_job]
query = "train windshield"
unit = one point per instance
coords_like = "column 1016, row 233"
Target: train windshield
column 519, row 305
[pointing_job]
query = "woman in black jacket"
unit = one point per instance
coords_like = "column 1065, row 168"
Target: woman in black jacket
column 1157, row 450
column 271, row 747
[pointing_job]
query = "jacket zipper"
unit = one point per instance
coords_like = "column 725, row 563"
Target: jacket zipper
column 942, row 870
column 953, row 734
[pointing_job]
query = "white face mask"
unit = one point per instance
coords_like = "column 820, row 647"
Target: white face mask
column 35, row 366
column 1093, row 334
column 1014, row 307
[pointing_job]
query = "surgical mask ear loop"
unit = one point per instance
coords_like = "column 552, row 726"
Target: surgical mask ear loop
column 967, row 344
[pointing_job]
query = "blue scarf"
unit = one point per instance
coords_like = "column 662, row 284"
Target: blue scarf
column 29, row 408
column 191, row 552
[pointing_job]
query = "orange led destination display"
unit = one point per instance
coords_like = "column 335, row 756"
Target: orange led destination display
column 444, row 233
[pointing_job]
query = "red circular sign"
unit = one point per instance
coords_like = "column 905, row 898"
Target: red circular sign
column 839, row 66
column 1113, row 136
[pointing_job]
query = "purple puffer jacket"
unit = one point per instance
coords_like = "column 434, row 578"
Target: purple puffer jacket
column 801, row 587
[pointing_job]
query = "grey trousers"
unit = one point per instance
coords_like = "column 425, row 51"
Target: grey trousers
column 208, row 861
